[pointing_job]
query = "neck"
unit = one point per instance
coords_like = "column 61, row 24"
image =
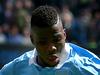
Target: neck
column 39, row 62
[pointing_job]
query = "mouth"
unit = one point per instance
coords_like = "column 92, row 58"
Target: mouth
column 53, row 57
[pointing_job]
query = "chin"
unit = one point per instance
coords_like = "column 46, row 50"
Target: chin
column 53, row 63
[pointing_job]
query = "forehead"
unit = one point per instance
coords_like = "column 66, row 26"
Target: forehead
column 53, row 30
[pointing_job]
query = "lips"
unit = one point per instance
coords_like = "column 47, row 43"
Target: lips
column 52, row 57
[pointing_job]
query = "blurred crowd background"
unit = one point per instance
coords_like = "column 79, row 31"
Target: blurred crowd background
column 81, row 19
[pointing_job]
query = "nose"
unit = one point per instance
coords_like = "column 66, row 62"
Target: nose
column 52, row 48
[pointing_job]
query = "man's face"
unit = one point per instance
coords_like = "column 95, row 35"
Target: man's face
column 49, row 43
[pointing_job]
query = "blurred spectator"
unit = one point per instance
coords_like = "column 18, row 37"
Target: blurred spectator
column 18, row 4
column 93, row 43
column 1, row 12
column 9, row 12
column 28, row 5
column 80, row 26
column 20, row 18
column 5, row 27
column 56, row 3
column 26, row 36
column 67, row 18
column 97, row 19
column 14, row 37
column 2, row 36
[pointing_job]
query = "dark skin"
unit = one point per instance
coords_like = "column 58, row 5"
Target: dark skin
column 49, row 43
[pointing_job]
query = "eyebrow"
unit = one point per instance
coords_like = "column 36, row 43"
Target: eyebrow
column 56, row 34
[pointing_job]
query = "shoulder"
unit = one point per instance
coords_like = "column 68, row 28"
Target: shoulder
column 83, row 60
column 24, row 57
column 17, row 63
column 83, row 52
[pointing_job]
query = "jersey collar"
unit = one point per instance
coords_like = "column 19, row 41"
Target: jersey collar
column 63, row 59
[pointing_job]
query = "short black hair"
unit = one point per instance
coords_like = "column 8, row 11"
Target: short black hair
column 44, row 16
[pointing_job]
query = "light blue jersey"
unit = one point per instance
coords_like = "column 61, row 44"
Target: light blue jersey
column 74, row 61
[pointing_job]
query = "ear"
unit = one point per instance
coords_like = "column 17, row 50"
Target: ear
column 32, row 39
column 64, row 34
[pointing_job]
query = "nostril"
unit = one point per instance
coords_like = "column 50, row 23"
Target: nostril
column 54, row 48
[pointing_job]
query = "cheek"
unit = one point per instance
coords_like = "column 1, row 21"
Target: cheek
column 61, row 46
column 41, row 49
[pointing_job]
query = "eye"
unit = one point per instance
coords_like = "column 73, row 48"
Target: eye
column 57, row 39
column 42, row 42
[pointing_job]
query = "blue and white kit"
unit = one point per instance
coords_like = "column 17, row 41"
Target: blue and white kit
column 74, row 61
